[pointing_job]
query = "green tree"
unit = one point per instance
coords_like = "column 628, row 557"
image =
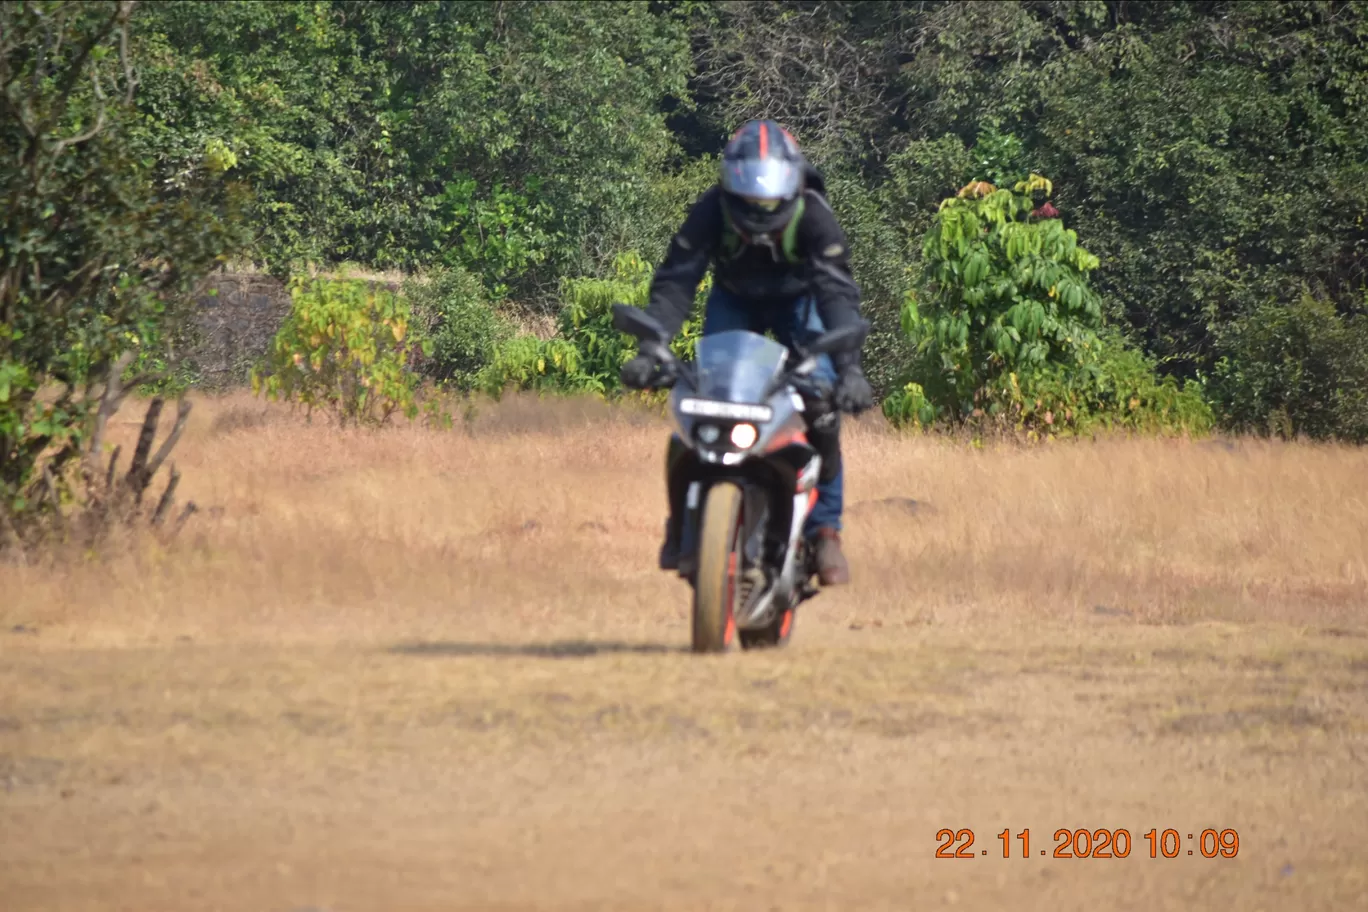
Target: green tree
column 501, row 137
column 1008, row 294
column 101, row 245
column 1012, row 329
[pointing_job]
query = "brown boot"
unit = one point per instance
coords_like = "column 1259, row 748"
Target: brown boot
column 832, row 568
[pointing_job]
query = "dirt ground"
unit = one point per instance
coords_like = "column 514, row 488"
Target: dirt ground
column 437, row 670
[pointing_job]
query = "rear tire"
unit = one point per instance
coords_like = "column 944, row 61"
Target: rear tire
column 719, row 547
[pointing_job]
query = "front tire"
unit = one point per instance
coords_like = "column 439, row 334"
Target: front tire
column 719, row 552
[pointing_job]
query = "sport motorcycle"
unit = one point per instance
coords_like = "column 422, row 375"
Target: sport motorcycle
column 740, row 450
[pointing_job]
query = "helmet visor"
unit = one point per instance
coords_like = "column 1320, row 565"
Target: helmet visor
column 761, row 179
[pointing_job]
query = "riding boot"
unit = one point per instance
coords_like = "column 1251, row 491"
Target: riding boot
column 676, row 486
column 669, row 550
column 830, row 563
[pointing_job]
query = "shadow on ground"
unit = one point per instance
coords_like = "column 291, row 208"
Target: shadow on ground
column 563, row 649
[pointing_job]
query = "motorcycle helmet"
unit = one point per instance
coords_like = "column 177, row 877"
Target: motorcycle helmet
column 762, row 177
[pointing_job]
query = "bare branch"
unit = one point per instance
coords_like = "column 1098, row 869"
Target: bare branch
column 183, row 407
column 125, row 58
column 87, row 136
column 109, row 402
column 190, row 510
column 50, row 484
column 137, row 478
column 68, row 84
column 168, row 496
column 113, row 462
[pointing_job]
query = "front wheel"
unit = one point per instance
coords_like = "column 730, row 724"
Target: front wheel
column 719, row 551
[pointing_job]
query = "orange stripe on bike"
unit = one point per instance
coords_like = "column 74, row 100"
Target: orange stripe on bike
column 783, row 440
column 731, row 599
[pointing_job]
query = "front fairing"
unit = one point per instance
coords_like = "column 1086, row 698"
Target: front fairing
column 735, row 367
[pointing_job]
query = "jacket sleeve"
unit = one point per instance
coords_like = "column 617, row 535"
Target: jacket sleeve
column 829, row 272
column 677, row 278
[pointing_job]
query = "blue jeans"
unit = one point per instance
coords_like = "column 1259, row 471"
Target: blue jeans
column 795, row 322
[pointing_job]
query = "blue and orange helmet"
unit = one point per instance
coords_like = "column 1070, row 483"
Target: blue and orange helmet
column 762, row 177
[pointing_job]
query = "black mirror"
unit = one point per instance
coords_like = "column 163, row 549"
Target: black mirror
column 845, row 339
column 636, row 322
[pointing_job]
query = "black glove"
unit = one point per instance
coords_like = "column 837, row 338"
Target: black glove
column 645, row 371
column 853, row 393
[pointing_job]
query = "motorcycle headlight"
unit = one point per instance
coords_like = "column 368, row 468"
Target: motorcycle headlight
column 709, row 433
column 743, row 436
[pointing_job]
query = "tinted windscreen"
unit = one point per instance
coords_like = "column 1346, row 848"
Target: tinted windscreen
column 736, row 366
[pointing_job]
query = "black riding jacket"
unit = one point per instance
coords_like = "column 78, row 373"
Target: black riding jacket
column 758, row 274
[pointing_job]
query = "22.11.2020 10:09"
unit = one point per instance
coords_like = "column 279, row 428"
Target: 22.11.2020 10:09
column 1100, row 843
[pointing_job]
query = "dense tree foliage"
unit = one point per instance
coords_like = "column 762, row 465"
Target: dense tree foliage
column 505, row 138
column 1212, row 156
column 103, row 232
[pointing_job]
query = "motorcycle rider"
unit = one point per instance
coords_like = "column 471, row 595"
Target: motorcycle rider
column 780, row 262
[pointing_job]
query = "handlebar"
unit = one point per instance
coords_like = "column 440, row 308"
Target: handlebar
column 815, row 391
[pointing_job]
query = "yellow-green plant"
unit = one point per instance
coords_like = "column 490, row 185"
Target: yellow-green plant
column 1011, row 330
column 344, row 348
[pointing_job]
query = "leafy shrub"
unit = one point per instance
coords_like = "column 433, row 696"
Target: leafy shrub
column 451, row 306
column 345, row 347
column 1292, row 369
column 101, row 246
column 587, row 353
column 1119, row 390
column 1014, row 334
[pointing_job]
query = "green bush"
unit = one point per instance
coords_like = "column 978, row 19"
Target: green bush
column 1013, row 333
column 451, row 306
column 345, row 348
column 587, row 353
column 1118, row 390
column 1294, row 369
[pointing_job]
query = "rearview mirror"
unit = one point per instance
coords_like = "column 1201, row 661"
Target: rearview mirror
column 636, row 322
column 844, row 339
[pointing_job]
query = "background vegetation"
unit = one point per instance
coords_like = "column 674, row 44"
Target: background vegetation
column 1174, row 194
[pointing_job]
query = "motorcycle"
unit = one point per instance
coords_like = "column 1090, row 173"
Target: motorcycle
column 740, row 450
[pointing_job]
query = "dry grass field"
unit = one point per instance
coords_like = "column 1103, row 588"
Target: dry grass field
column 423, row 670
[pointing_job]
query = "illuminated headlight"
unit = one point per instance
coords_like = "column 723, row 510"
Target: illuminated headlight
column 743, row 436
column 709, row 433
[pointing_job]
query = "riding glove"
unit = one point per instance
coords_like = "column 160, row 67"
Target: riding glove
column 645, row 371
column 853, row 393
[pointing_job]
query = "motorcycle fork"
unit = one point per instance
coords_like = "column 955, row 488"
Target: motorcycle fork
column 757, row 547
column 688, row 542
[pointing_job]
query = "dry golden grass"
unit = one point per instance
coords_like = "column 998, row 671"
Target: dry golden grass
column 542, row 509
column 437, row 670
